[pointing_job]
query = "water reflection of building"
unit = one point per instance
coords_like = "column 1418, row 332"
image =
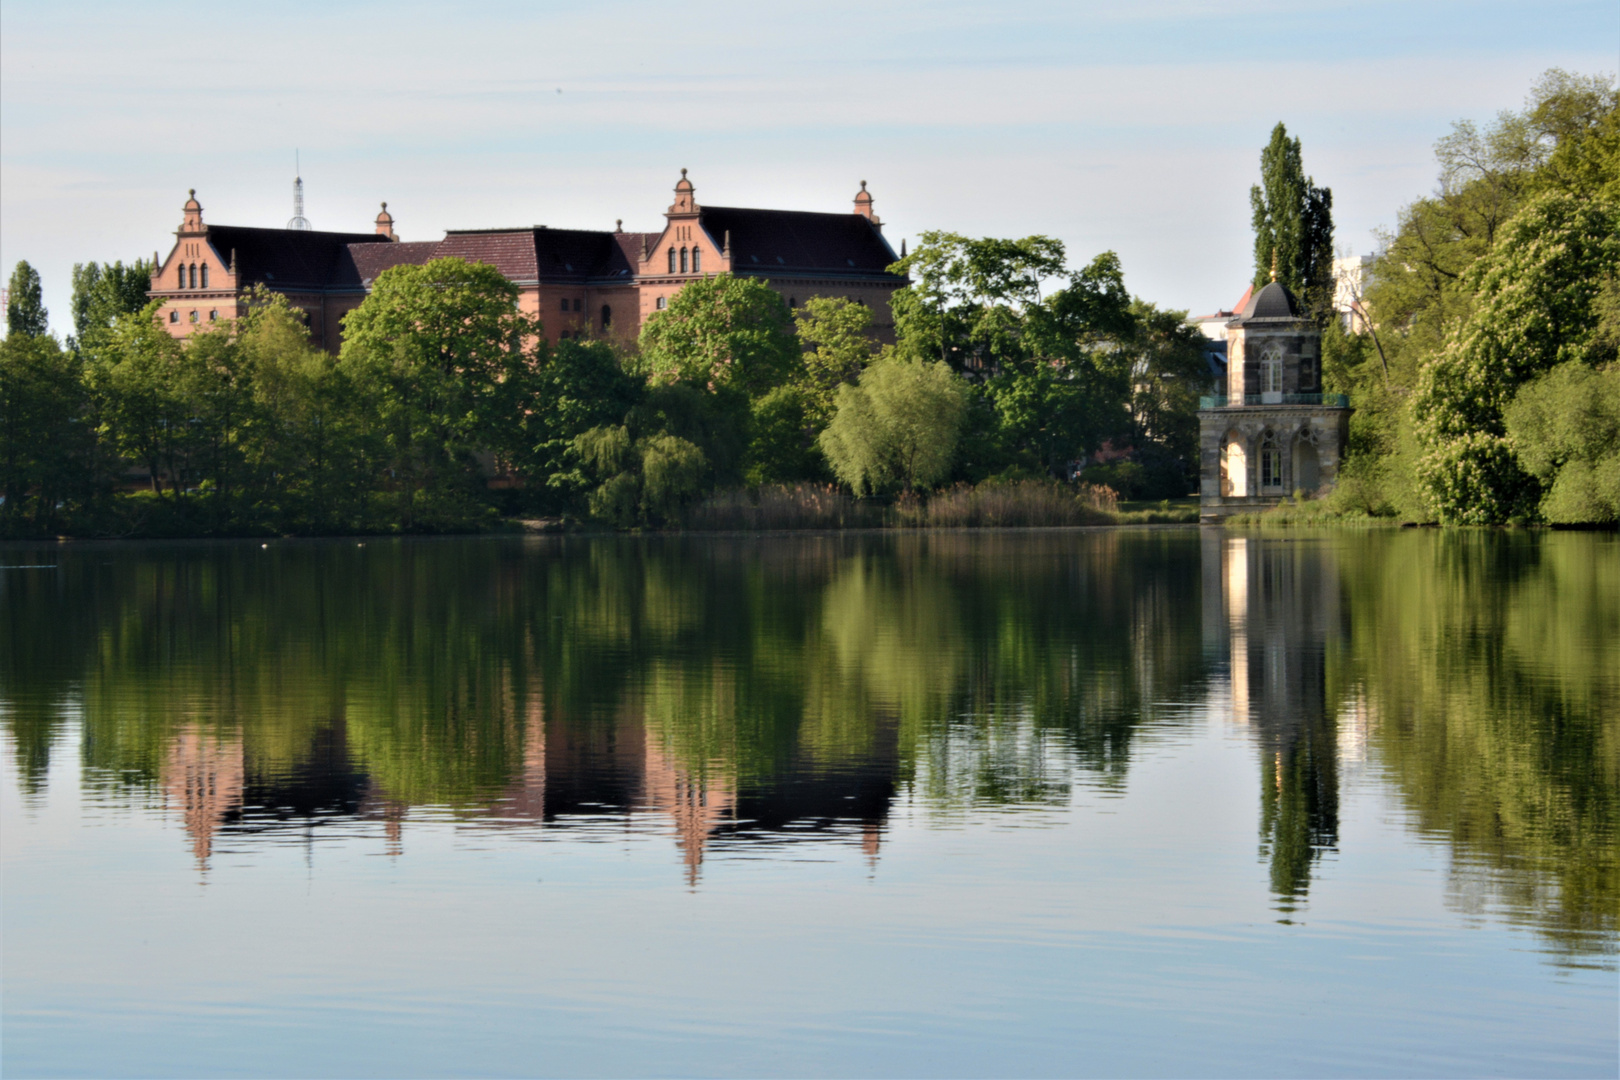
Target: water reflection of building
column 569, row 773
column 203, row 776
column 1279, row 614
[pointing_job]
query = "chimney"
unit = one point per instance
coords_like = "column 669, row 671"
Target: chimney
column 385, row 224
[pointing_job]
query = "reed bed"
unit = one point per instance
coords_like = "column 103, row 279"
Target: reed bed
column 1021, row 504
column 774, row 507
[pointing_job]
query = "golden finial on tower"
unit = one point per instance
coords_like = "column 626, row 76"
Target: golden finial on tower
column 1273, row 264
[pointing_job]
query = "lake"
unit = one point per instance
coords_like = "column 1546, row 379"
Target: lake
column 1114, row 802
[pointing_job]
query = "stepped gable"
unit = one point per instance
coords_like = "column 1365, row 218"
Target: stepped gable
column 773, row 241
column 372, row 259
column 1274, row 303
column 289, row 258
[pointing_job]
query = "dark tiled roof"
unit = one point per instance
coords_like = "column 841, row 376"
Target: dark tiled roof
column 553, row 255
column 766, row 241
column 511, row 251
column 290, row 257
column 372, row 259
column 1272, row 303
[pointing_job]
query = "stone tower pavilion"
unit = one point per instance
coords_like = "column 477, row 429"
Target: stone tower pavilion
column 1274, row 433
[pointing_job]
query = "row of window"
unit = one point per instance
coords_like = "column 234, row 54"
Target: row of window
column 696, row 260
column 174, row 316
column 192, row 273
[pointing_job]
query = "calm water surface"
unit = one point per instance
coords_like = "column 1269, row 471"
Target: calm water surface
column 1131, row 802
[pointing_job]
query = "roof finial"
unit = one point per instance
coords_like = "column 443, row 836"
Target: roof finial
column 683, row 174
column 725, row 247
column 1274, row 263
column 618, row 224
column 902, row 247
column 863, row 185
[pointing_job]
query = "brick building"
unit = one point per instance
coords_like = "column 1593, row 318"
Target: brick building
column 579, row 282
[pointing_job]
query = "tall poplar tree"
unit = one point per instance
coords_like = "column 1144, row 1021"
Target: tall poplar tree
column 25, row 304
column 1293, row 225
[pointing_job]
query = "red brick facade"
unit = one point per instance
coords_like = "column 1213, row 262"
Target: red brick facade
column 580, row 283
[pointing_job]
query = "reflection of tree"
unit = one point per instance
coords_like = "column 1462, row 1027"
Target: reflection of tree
column 764, row 681
column 1490, row 666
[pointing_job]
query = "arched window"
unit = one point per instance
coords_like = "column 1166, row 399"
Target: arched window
column 1271, row 477
column 174, row 316
column 661, row 303
column 697, row 260
column 565, row 303
column 193, row 275
column 1271, row 370
column 205, row 275
column 683, row 260
column 672, row 260
column 193, row 316
column 607, row 316
column 213, row 316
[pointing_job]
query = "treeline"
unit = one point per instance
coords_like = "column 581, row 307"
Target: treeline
column 1487, row 377
column 446, row 410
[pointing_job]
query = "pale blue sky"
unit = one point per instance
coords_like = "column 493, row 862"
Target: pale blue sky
column 1133, row 127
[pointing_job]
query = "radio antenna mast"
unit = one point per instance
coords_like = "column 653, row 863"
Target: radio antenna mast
column 299, row 222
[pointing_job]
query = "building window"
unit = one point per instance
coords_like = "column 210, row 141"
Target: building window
column 697, row 261
column 660, row 303
column 683, row 260
column 1307, row 375
column 579, row 305
column 1271, row 367
column 1271, row 478
column 193, row 316
column 205, row 275
column 565, row 303
column 174, row 316
column 213, row 316
column 607, row 316
column 793, row 302
column 672, row 260
column 193, row 275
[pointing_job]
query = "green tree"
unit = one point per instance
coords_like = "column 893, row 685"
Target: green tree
column 1536, row 296
column 837, row 332
column 447, row 356
column 898, row 425
column 575, row 387
column 1293, row 224
column 25, row 304
column 1564, row 428
column 138, row 381
column 721, row 331
column 46, row 442
column 103, row 292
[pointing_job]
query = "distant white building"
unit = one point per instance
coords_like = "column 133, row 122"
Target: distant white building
column 1350, row 276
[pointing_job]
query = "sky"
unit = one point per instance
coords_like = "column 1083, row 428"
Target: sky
column 1132, row 127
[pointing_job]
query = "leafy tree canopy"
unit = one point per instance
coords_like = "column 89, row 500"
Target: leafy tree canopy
column 25, row 304
column 721, row 331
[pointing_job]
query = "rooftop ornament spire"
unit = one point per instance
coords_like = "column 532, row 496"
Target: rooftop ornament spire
column 1273, row 264
column 299, row 222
